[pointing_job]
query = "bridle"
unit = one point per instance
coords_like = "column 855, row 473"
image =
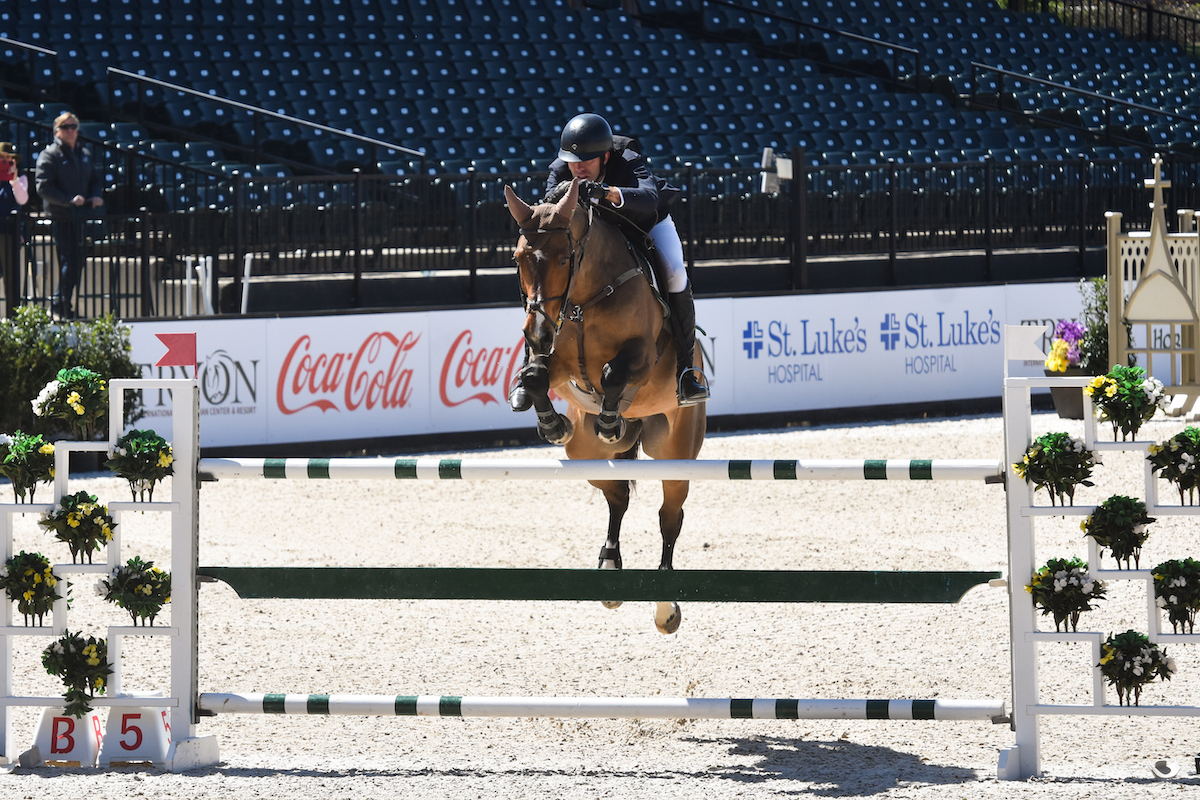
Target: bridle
column 576, row 248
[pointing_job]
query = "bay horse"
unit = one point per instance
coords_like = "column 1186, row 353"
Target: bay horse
column 598, row 337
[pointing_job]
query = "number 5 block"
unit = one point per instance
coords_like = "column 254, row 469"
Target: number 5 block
column 136, row 736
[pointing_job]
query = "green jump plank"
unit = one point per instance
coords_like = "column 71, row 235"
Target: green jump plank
column 716, row 586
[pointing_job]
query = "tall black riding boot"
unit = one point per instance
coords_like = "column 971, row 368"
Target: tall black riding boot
column 692, row 386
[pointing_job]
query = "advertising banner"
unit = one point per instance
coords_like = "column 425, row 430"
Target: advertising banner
column 367, row 376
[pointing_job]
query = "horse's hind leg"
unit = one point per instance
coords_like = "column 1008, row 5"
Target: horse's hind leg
column 667, row 615
column 617, row 495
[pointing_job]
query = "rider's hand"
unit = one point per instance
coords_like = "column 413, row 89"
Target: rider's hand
column 593, row 190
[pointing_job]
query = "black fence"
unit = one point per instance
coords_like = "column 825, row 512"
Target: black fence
column 146, row 259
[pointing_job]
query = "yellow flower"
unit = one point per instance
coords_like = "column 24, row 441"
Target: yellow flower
column 73, row 398
column 165, row 459
column 1029, row 589
column 93, row 661
column 99, row 683
column 1107, row 654
column 1155, row 449
column 46, row 449
column 1110, row 390
column 37, row 579
column 28, row 594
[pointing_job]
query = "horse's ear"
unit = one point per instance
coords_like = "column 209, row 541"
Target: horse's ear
column 566, row 206
column 519, row 209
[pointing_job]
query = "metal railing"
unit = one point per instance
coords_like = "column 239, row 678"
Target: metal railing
column 1145, row 22
column 142, row 262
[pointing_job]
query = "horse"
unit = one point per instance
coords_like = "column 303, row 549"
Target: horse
column 598, row 337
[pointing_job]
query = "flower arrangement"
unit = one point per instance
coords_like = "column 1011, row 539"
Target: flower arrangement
column 81, row 522
column 83, row 666
column 1064, row 347
column 1057, row 462
column 143, row 458
column 1177, row 591
column 1064, row 589
column 139, row 587
column 1126, row 398
column 29, row 580
column 1178, row 461
column 26, row 460
column 1129, row 661
column 77, row 397
column 1119, row 523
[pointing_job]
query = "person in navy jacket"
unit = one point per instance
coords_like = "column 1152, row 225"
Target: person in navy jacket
column 69, row 186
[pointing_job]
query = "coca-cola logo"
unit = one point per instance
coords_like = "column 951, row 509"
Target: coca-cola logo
column 373, row 376
column 481, row 374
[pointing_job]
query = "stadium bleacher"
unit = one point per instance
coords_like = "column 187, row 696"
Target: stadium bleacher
column 488, row 83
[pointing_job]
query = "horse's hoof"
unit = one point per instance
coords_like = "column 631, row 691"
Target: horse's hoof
column 610, row 433
column 667, row 617
column 557, row 433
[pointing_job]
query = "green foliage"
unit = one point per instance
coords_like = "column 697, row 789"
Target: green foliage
column 26, row 460
column 1177, row 591
column 1119, row 523
column 1129, row 661
column 143, row 458
column 1063, row 588
column 1177, row 460
column 29, row 580
column 83, row 666
column 77, row 399
column 1093, row 347
column 1057, row 462
column 33, row 348
column 139, row 587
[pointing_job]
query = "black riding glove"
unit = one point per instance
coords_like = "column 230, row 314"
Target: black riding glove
column 593, row 190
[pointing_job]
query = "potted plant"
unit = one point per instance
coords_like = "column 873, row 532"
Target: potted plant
column 83, row 666
column 1064, row 589
column 77, row 399
column 1063, row 360
column 1119, row 524
column 1057, row 462
column 1126, row 398
column 1093, row 345
column 26, row 460
column 1129, row 661
column 29, row 580
column 1177, row 460
column 139, row 587
column 82, row 523
column 1177, row 591
column 143, row 458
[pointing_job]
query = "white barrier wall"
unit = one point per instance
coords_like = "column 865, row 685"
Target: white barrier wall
column 362, row 376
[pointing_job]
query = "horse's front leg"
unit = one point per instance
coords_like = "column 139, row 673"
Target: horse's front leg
column 626, row 367
column 551, row 426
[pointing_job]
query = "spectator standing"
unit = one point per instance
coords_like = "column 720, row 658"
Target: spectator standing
column 14, row 193
column 69, row 186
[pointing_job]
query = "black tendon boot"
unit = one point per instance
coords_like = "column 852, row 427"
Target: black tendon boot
column 692, row 386
column 518, row 396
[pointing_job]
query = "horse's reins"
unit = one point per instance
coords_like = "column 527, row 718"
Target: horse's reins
column 568, row 311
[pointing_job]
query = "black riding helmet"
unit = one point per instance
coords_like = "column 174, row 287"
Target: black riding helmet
column 585, row 137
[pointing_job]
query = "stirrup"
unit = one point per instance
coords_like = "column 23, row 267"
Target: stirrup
column 698, row 393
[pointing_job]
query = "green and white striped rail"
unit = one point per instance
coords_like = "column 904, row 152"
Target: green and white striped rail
column 598, row 707
column 484, row 469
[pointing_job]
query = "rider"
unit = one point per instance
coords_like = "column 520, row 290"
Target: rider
column 615, row 175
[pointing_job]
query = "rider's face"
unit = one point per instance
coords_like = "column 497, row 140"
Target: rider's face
column 589, row 170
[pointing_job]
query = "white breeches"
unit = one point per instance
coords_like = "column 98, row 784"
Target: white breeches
column 666, row 239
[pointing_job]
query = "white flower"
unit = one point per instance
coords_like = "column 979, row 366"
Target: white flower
column 101, row 588
column 5, row 440
column 1088, row 587
column 1170, row 664
column 1160, row 602
column 1173, row 599
column 1138, row 671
